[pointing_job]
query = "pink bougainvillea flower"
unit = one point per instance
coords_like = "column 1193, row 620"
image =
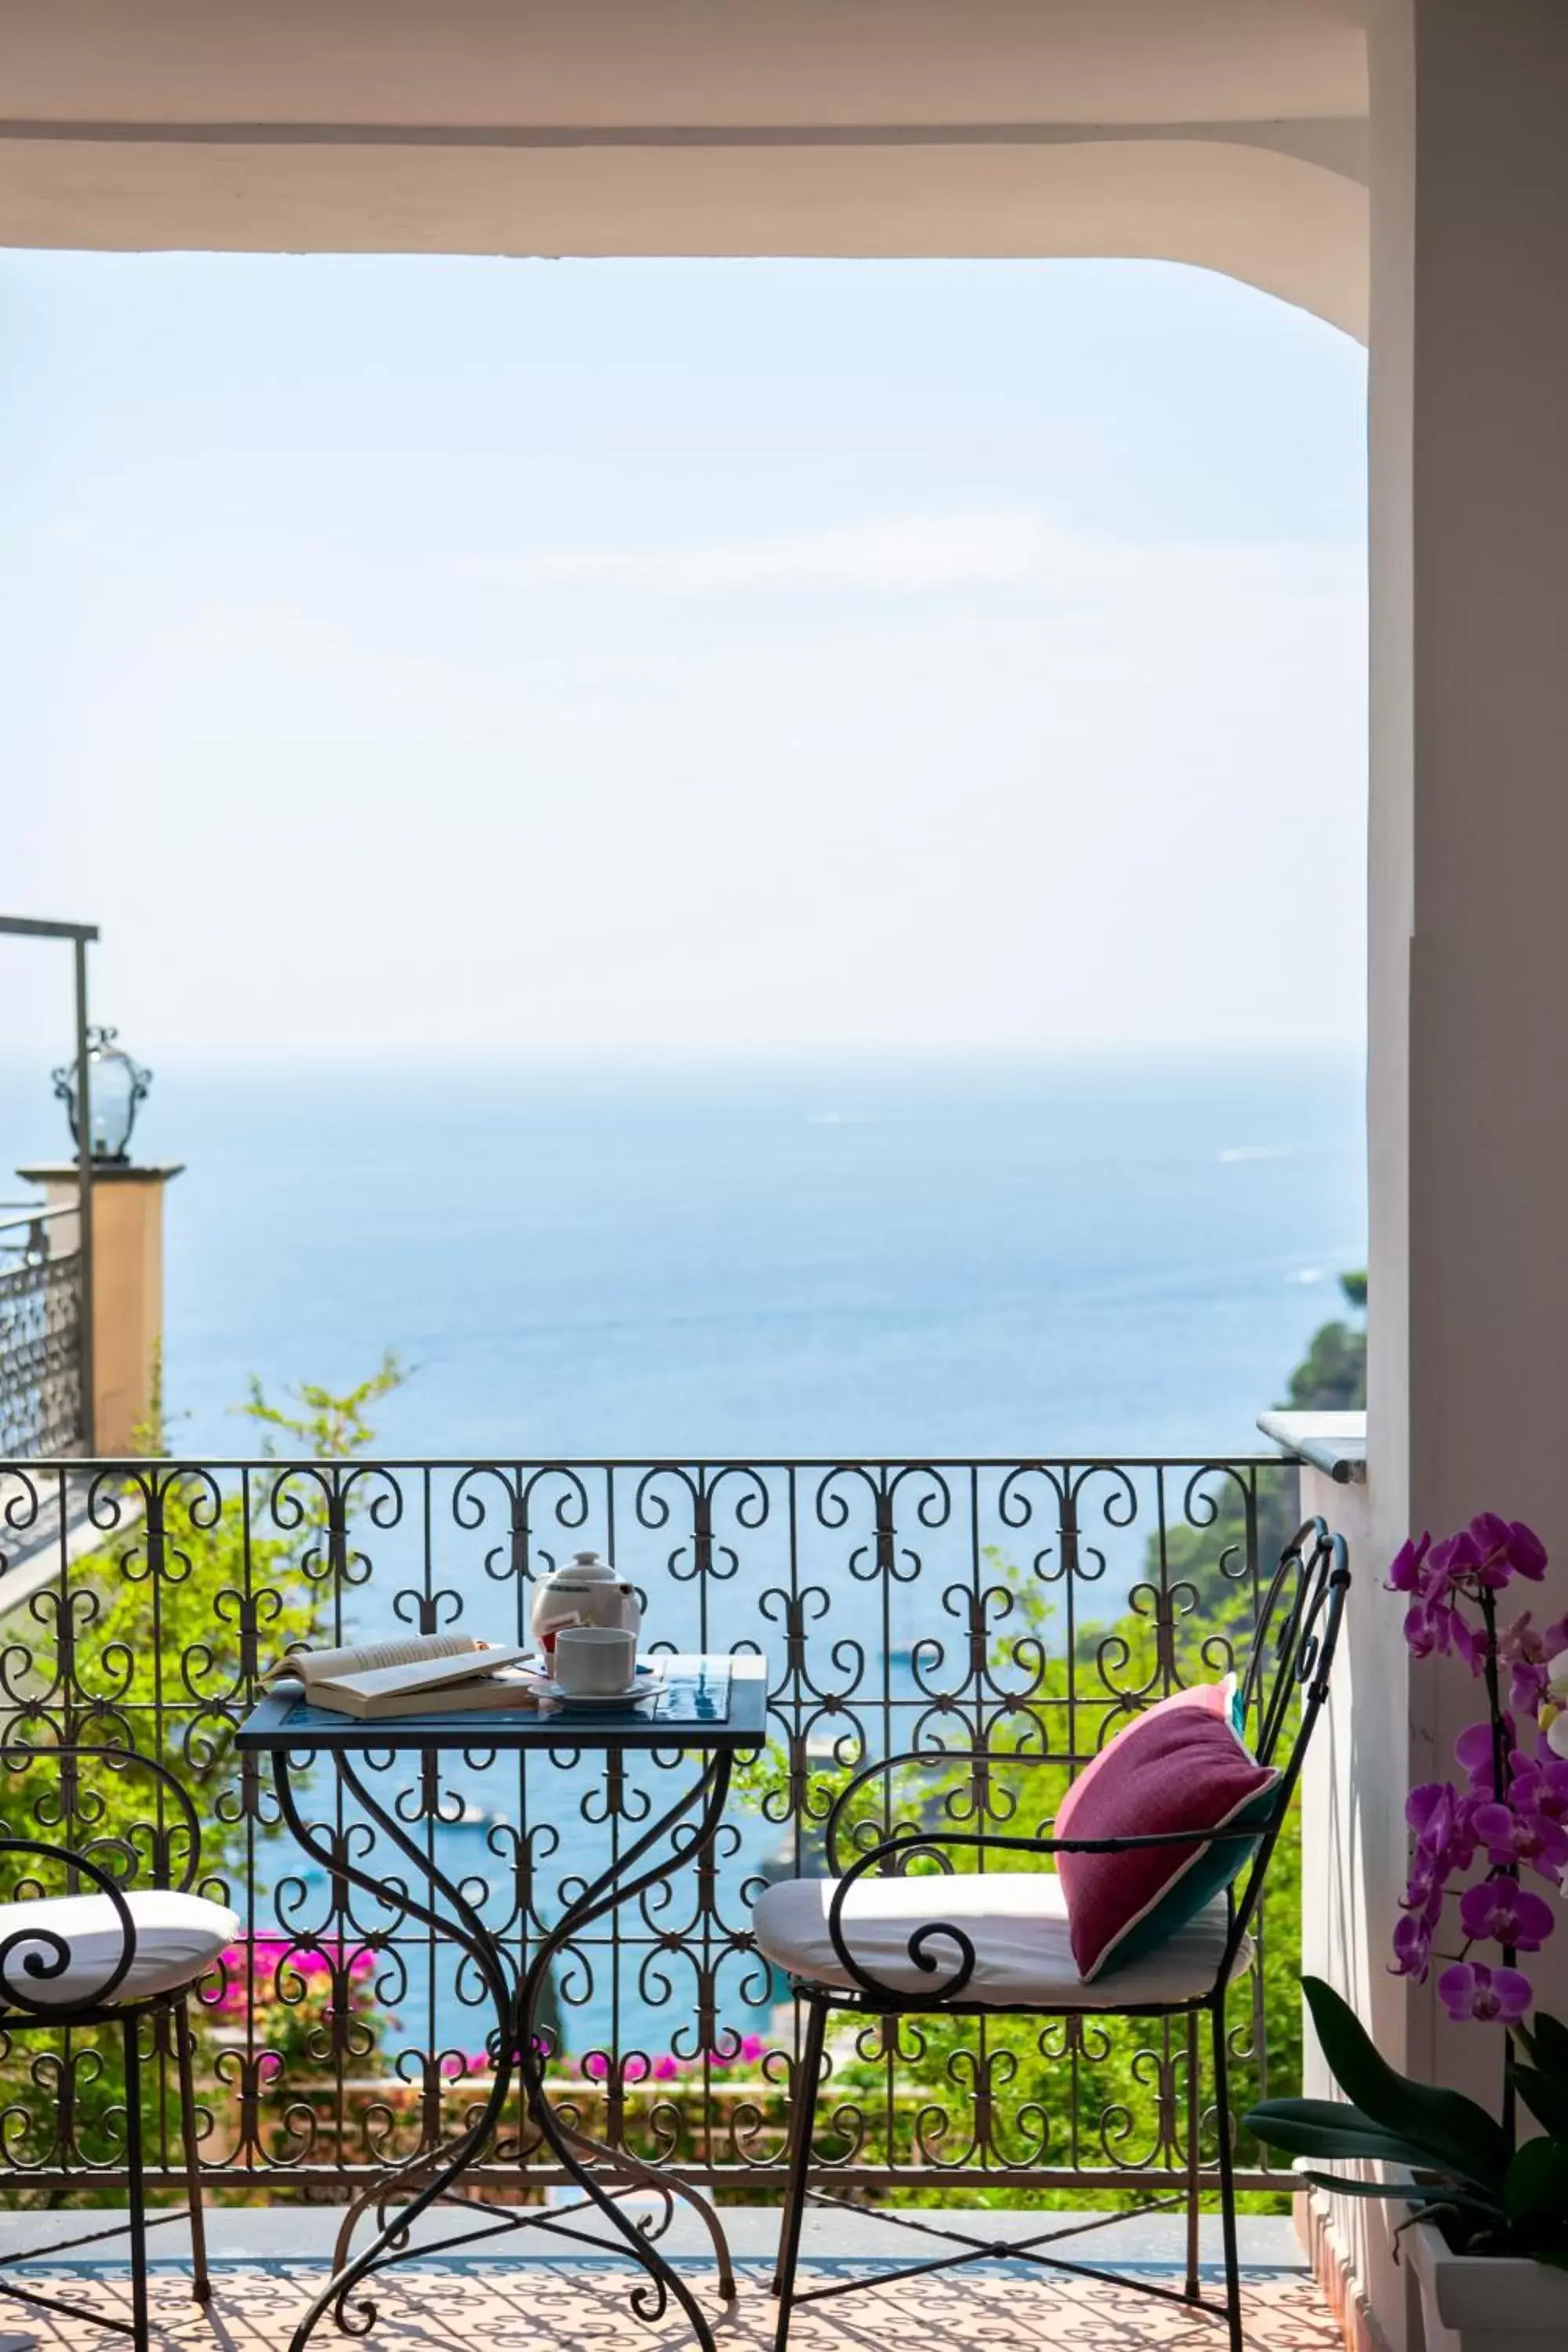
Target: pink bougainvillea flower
column 596, row 2066
column 753, row 2050
column 1471, row 1990
column 1516, row 1832
column 1503, row 1911
column 665, row 2069
column 1407, row 1568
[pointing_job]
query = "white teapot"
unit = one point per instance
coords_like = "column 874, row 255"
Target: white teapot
column 586, row 1591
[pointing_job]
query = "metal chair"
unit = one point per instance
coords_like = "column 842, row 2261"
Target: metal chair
column 1297, row 1633
column 123, row 1955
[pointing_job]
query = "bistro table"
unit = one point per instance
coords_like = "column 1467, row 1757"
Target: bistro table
column 708, row 1708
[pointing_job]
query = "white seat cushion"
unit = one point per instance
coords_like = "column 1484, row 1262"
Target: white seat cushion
column 1017, row 1922
column 177, row 1935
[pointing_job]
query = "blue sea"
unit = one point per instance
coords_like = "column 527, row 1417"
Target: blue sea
column 902, row 1256
column 845, row 1258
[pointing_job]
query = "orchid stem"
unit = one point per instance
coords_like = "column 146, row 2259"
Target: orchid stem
column 1487, row 1602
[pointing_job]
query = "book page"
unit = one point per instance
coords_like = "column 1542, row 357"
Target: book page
column 310, row 1666
column 426, row 1672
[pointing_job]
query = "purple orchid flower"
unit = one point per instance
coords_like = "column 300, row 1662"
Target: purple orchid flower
column 1456, row 1557
column 1511, row 1809
column 1476, row 1749
column 1429, row 1812
column 1527, row 1551
column 1444, row 1840
column 1516, row 1832
column 1471, row 1990
column 1543, row 1781
column 1527, row 1650
column 1429, row 1627
column 1413, row 1946
column 1505, row 1549
column 1407, row 1571
column 1435, row 1623
column 1500, row 1911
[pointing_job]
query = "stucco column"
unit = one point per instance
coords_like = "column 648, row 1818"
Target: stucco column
column 127, row 1287
column 1467, row 1105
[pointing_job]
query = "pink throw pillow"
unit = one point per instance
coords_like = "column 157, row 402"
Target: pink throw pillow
column 1214, row 1698
column 1177, row 1768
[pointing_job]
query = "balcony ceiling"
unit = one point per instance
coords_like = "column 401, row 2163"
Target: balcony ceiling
column 1225, row 132
column 683, row 61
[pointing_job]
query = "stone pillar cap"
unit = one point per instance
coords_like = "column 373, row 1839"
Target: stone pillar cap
column 104, row 1171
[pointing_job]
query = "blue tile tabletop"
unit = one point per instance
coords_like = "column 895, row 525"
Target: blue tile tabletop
column 713, row 1702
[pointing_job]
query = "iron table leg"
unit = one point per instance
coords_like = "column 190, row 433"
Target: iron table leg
column 438, row 2171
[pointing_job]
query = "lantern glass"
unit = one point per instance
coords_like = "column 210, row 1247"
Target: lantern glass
column 117, row 1086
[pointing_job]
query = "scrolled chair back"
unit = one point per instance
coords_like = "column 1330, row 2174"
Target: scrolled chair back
column 1286, row 1685
column 75, row 1840
column 1297, row 1635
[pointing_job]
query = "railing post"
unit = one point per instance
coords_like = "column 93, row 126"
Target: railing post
column 87, row 1406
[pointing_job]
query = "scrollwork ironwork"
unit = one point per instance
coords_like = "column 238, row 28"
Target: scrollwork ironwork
column 1008, row 1613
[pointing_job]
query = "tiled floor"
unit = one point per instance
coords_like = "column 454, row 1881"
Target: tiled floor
column 491, row 2307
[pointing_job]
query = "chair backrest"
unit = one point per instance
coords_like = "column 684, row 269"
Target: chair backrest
column 1286, row 1682
column 102, row 1804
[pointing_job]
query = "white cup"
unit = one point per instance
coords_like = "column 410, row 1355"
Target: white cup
column 592, row 1661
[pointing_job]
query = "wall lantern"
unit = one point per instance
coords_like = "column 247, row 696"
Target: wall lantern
column 116, row 1086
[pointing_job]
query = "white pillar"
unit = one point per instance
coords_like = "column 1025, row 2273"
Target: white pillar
column 1468, row 1063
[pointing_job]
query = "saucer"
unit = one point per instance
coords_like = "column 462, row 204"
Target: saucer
column 632, row 1696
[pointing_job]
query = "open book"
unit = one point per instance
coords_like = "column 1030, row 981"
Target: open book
column 426, row 1674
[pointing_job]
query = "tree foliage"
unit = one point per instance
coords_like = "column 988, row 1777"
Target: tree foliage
column 137, row 1647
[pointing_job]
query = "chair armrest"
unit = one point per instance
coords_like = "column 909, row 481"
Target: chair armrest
column 934, row 1757
column 17, row 1756
column 44, row 1954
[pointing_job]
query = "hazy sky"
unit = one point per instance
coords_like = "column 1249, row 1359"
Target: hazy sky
column 520, row 655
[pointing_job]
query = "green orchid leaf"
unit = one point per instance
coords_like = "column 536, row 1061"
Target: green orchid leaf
column 1536, row 2189
column 1453, row 2133
column 1549, row 2047
column 1401, row 2193
column 1546, row 2099
column 1329, row 2128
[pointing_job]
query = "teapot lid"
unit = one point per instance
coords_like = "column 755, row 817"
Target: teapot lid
column 588, row 1564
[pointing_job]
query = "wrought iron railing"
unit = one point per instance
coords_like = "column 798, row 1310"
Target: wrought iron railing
column 40, row 1341
column 981, row 1605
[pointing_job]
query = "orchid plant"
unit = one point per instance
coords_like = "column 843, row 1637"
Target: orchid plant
column 1509, row 1818
column 1502, row 1828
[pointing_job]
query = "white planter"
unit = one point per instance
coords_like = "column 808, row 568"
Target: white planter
column 1486, row 2303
